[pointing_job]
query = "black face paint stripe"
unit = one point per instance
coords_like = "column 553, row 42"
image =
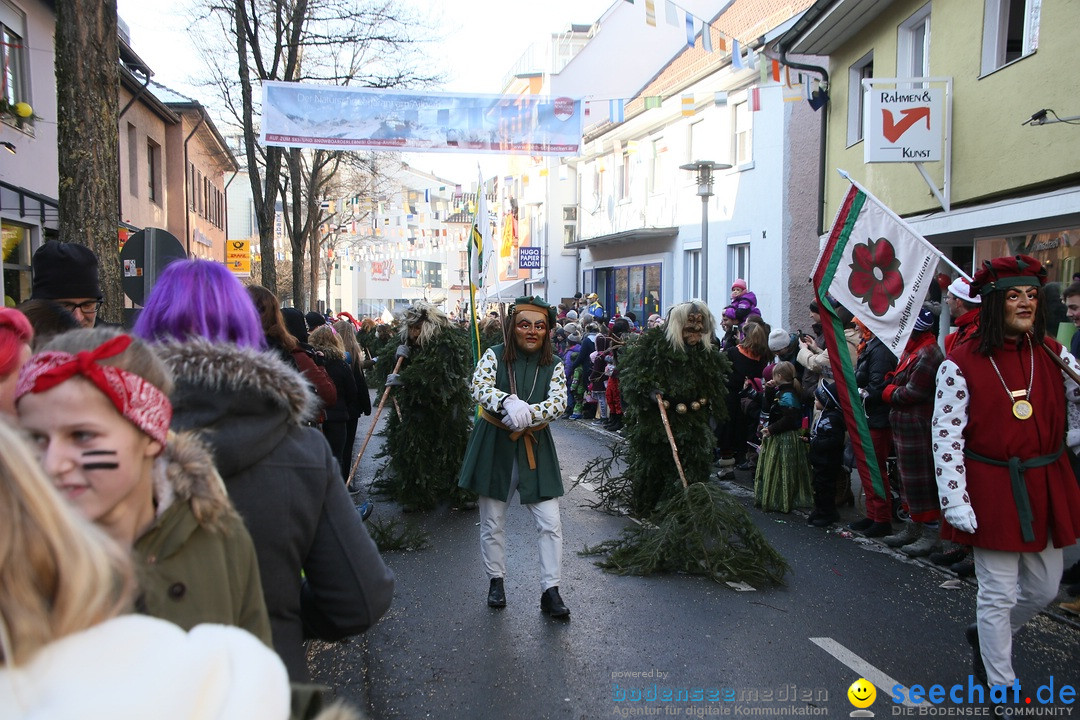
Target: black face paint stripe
column 100, row 465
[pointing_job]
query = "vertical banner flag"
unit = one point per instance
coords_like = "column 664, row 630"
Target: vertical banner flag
column 736, row 54
column 689, row 30
column 650, row 12
column 617, row 110
column 479, row 243
column 751, row 58
column 755, row 99
column 880, row 269
column 706, row 38
column 653, row 101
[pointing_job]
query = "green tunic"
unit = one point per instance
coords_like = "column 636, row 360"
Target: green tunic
column 490, row 456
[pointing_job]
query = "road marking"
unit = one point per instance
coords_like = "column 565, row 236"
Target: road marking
column 864, row 669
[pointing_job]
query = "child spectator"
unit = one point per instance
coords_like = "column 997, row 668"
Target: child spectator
column 826, row 453
column 325, row 340
column 782, row 479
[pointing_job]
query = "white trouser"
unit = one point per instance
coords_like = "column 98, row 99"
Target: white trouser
column 1013, row 588
column 548, row 527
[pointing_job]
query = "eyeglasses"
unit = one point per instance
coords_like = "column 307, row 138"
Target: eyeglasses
column 525, row 326
column 88, row 307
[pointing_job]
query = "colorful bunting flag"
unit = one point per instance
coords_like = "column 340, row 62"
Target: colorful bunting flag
column 736, row 55
column 776, row 71
column 751, row 59
column 654, row 101
column 688, row 104
column 689, row 30
column 650, row 13
column 721, row 44
column 755, row 99
column 720, row 98
column 617, row 110
column 671, row 15
column 706, row 38
column 764, row 71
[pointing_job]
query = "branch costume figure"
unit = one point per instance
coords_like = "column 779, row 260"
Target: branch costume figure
column 694, row 526
column 428, row 429
column 1005, row 485
column 681, row 362
column 520, row 387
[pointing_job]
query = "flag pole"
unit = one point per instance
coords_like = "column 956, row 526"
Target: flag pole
column 844, row 174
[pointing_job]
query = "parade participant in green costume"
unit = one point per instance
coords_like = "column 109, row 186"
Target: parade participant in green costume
column 521, row 387
column 682, row 362
column 428, row 429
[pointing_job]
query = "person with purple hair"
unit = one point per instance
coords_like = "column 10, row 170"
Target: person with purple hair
column 322, row 575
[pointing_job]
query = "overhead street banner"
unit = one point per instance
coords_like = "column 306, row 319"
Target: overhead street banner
column 347, row 118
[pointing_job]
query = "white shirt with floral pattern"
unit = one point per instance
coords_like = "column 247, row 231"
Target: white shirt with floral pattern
column 491, row 397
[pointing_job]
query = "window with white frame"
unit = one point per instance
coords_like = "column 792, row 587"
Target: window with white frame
column 14, row 55
column 692, row 267
column 695, row 142
column 738, row 265
column 622, row 179
column 656, row 166
column 1010, row 31
column 863, row 69
column 913, row 45
column 569, row 216
column 743, row 137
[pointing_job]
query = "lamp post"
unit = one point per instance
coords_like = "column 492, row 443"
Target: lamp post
column 704, row 170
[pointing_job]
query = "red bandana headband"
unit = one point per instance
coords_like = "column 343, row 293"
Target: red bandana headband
column 139, row 401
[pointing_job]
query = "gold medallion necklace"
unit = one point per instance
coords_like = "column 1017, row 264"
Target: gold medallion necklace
column 1021, row 407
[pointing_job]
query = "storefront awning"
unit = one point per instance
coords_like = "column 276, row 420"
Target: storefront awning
column 624, row 237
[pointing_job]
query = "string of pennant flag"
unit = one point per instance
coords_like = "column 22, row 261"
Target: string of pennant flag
column 798, row 85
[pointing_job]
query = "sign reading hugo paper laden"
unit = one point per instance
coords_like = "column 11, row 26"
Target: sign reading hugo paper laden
column 903, row 125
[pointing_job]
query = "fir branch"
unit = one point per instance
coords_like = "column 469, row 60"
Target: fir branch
column 397, row 535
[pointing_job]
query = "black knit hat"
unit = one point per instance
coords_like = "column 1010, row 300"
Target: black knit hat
column 65, row 270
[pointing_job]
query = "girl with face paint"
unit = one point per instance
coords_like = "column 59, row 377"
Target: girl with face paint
column 94, row 404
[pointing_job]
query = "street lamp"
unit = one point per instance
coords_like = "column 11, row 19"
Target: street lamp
column 704, row 170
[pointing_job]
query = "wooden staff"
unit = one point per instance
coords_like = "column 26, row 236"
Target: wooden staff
column 1061, row 363
column 671, row 438
column 374, row 421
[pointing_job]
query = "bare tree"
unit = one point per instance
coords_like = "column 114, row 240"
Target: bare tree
column 87, row 87
column 342, row 42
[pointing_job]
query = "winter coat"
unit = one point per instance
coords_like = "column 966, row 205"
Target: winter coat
column 784, row 409
column 827, row 438
column 196, row 562
column 874, row 364
column 362, row 406
column 321, row 573
column 344, row 386
column 966, row 325
column 304, row 359
column 133, row 667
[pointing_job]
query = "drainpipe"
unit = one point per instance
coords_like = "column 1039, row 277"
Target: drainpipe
column 225, row 210
column 187, row 200
column 824, row 133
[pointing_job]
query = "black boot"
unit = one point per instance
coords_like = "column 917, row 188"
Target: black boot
column 552, row 604
column 496, row 594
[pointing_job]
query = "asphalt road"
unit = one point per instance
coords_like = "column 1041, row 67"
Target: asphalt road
column 850, row 608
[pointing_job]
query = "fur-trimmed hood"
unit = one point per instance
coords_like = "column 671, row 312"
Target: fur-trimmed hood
column 185, row 472
column 242, row 400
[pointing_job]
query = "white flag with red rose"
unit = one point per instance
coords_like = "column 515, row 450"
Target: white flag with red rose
column 877, row 267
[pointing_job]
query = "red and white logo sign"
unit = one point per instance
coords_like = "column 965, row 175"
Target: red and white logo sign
column 904, row 125
column 564, row 108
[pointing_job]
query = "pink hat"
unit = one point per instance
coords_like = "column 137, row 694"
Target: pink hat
column 739, row 283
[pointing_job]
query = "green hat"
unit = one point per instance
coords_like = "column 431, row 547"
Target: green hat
column 536, row 304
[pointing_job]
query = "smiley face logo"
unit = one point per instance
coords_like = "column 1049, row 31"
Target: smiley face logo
column 862, row 693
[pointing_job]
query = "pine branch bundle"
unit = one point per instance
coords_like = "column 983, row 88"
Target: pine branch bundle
column 613, row 488
column 700, row 531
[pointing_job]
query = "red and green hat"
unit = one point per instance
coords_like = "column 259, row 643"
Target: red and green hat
column 1007, row 272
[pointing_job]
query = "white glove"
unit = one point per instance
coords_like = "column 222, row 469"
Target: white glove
column 961, row 517
column 402, row 351
column 518, row 412
column 393, row 380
